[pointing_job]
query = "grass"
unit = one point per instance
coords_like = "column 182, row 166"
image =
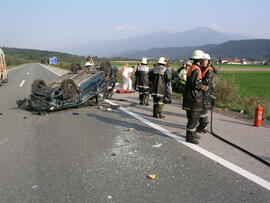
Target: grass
column 240, row 66
column 248, row 89
column 255, row 84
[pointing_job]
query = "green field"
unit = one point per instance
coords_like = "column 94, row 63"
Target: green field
column 251, row 83
column 240, row 66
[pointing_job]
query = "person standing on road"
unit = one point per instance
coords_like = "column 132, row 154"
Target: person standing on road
column 127, row 82
column 142, row 81
column 169, row 93
column 193, row 96
column 208, row 74
column 160, row 76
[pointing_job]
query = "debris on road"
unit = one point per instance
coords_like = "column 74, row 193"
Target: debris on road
column 70, row 114
column 20, row 103
column 25, row 117
column 130, row 129
column 1, row 113
column 100, row 107
column 157, row 145
column 109, row 196
column 152, row 176
column 34, row 187
column 109, row 109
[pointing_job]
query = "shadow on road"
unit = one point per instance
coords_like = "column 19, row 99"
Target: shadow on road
column 126, row 123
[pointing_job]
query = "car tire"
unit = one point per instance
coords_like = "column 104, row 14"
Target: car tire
column 69, row 89
column 73, row 67
column 37, row 84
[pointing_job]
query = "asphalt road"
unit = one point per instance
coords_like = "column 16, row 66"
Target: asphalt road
column 101, row 156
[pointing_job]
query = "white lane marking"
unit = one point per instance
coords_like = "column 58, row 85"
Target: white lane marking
column 3, row 141
column 51, row 70
column 227, row 164
column 22, row 83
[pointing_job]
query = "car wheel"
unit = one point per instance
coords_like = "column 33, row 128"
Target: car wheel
column 73, row 67
column 69, row 89
column 37, row 84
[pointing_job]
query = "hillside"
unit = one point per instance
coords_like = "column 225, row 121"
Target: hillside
column 257, row 48
column 251, row 49
column 15, row 56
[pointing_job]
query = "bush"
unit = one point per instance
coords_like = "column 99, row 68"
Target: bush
column 66, row 66
column 175, row 82
column 227, row 90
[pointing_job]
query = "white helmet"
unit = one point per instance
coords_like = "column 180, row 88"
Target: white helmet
column 144, row 61
column 189, row 63
column 197, row 54
column 162, row 60
column 207, row 57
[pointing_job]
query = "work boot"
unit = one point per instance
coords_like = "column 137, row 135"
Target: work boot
column 193, row 141
column 192, row 137
column 201, row 129
column 159, row 110
column 196, row 136
column 161, row 116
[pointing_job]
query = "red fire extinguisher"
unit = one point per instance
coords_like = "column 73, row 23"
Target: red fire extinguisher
column 258, row 116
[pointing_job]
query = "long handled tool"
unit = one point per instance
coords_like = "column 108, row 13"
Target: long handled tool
column 234, row 145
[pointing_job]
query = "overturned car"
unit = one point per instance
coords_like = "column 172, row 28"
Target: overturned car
column 84, row 85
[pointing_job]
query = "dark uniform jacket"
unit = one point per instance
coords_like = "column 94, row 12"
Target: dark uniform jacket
column 142, row 77
column 159, row 77
column 208, row 75
column 193, row 92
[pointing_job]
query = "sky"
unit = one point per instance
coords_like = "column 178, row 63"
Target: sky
column 58, row 24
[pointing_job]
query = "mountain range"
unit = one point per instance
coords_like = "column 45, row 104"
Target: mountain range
column 251, row 49
column 195, row 37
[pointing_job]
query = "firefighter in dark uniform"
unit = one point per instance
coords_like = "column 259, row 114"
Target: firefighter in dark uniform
column 160, row 76
column 142, row 81
column 208, row 74
column 193, row 96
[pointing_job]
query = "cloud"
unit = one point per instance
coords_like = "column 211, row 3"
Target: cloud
column 213, row 26
column 125, row 28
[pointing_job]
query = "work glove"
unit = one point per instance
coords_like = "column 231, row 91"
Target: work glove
column 205, row 87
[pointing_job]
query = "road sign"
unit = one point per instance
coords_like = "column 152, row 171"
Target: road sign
column 53, row 60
